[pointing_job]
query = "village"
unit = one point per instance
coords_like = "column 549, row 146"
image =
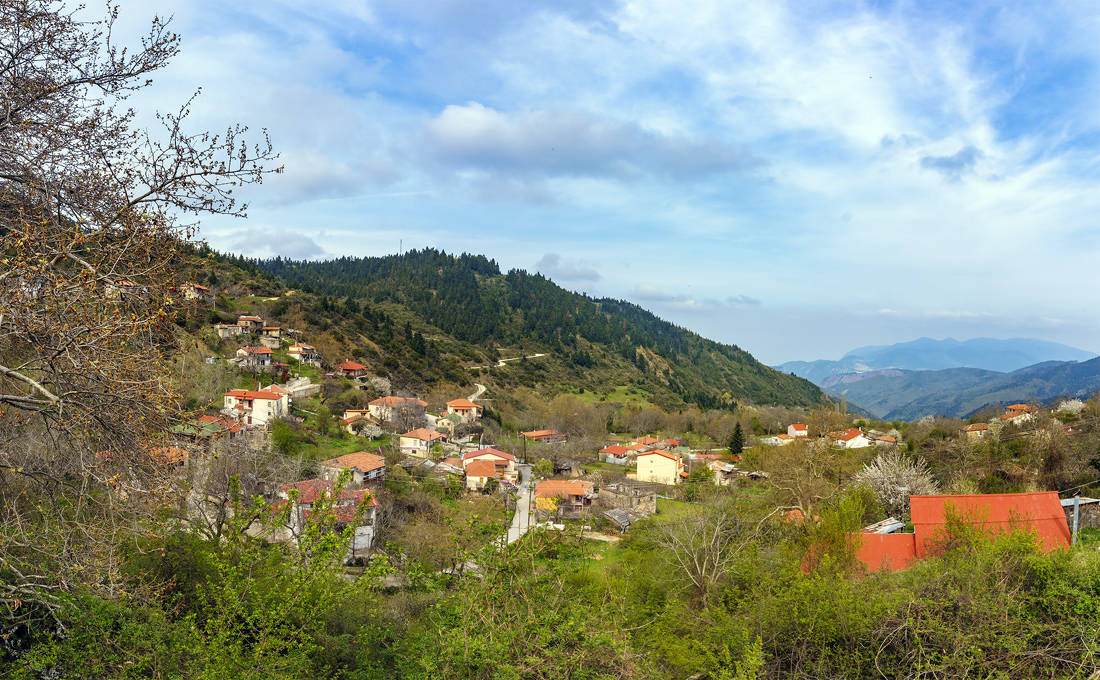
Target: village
column 443, row 446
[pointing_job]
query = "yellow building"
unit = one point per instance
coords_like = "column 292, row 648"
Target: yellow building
column 661, row 467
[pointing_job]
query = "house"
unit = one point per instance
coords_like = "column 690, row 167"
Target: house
column 500, row 458
column 465, row 409
column 419, row 442
column 645, row 441
column 724, row 473
column 257, row 407
column 661, row 467
column 305, row 354
column 388, row 408
column 563, row 497
column 365, row 468
column 227, row 330
column 250, row 324
column 357, row 424
column 619, row 455
column 635, row 497
column 1041, row 513
column 193, row 291
column 545, row 436
column 272, row 331
column 777, row 440
column 796, row 430
column 503, row 462
column 350, row 369
column 351, row 506
column 852, row 438
column 976, row 431
column 479, row 472
column 282, row 392
column 884, row 440
column 1018, row 414
column 255, row 357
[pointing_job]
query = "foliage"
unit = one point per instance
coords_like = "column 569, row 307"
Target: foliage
column 894, row 477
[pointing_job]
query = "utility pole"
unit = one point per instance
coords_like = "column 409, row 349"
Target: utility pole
column 1076, row 517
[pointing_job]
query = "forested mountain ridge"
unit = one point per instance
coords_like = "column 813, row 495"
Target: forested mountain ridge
column 469, row 299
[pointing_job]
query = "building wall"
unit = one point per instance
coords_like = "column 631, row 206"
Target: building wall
column 657, row 469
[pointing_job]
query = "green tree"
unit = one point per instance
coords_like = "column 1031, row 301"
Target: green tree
column 737, row 441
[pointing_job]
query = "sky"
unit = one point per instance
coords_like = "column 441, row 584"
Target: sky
column 798, row 179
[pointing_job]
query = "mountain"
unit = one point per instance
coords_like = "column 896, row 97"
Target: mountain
column 959, row 392
column 926, row 354
column 465, row 310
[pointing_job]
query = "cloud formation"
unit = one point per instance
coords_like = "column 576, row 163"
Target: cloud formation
column 571, row 142
column 955, row 165
column 553, row 266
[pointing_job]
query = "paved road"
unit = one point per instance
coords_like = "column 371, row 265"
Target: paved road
column 521, row 521
column 504, row 362
column 480, row 391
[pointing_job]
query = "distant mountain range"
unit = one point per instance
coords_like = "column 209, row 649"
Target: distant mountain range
column 926, row 354
column 959, row 392
column 909, row 380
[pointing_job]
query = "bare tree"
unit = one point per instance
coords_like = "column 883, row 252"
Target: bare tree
column 90, row 243
column 705, row 540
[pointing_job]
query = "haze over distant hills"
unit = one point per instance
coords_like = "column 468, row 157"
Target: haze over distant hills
column 927, row 354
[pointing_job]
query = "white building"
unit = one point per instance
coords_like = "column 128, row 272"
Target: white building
column 257, row 407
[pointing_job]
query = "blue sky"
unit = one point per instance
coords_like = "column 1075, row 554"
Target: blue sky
column 796, row 178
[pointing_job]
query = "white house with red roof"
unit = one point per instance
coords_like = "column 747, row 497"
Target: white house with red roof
column 304, row 353
column 350, row 369
column 419, row 442
column 257, row 407
column 504, row 462
column 387, row 408
column 255, row 357
column 617, row 454
column 364, row 467
column 465, row 409
column 250, row 323
column 357, row 507
column 661, row 467
column 797, row 430
column 852, row 438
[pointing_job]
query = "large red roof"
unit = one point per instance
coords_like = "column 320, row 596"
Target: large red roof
column 464, row 404
column 482, row 468
column 488, row 451
column 350, row 366
column 398, row 402
column 994, row 513
column 360, row 460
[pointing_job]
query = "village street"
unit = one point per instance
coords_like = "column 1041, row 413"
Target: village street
column 521, row 521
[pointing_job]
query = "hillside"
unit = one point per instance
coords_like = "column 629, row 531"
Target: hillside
column 959, row 392
column 926, row 354
column 425, row 308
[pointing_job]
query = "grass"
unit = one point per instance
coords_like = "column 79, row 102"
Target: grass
column 670, row 506
column 327, row 446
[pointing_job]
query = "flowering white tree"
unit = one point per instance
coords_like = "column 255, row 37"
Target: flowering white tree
column 893, row 477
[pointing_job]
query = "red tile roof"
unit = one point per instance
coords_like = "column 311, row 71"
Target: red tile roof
column 552, row 488
column 798, row 427
column 255, row 350
column 397, row 402
column 646, row 440
column 252, row 394
column 541, row 434
column 350, row 366
column 360, row 460
column 464, row 404
column 1026, row 408
column 846, row 435
column 482, row 468
column 658, row 452
column 488, row 451
column 976, row 427
column 615, row 450
column 424, row 434
column 311, row 489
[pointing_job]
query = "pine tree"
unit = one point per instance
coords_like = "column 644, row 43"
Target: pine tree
column 737, row 441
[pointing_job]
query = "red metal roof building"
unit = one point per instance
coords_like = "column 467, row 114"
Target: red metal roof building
column 1039, row 512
